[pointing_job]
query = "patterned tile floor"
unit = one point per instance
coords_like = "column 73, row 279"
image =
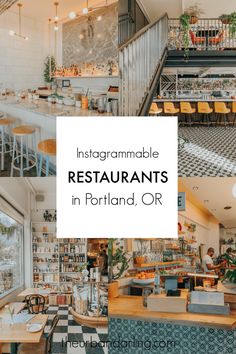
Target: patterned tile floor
column 76, row 335
column 209, row 152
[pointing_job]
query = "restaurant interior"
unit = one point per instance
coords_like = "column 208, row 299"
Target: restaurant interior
column 188, row 72
column 169, row 287
column 53, row 292
column 60, row 59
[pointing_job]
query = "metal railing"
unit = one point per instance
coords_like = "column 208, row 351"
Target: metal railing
column 139, row 61
column 205, row 34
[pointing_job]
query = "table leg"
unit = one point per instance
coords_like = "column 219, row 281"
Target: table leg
column 0, row 348
column 13, row 348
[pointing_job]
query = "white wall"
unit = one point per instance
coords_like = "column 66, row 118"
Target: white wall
column 22, row 62
column 212, row 8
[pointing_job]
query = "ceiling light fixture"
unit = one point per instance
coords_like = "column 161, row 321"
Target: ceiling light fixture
column 227, row 207
column 234, row 190
column 56, row 18
column 13, row 33
column 86, row 9
column 72, row 15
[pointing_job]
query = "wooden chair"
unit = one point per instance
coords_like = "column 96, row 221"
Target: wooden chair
column 169, row 108
column 234, row 111
column 36, row 304
column 45, row 344
column 218, row 39
column 154, row 109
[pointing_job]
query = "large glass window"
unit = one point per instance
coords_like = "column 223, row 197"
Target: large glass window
column 11, row 254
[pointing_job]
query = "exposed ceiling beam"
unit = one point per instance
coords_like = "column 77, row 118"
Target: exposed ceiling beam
column 5, row 5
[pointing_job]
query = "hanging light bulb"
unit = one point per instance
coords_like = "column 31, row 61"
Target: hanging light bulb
column 56, row 28
column 99, row 18
column 234, row 190
column 56, row 18
column 72, row 15
column 19, row 34
column 86, row 9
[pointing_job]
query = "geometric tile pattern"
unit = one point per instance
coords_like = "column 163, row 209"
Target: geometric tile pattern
column 138, row 337
column 209, row 152
column 71, row 338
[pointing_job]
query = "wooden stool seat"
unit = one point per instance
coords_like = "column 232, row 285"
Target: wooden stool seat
column 47, row 147
column 154, row 109
column 23, row 130
column 6, row 121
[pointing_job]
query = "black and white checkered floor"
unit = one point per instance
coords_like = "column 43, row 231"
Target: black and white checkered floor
column 210, row 151
column 80, row 339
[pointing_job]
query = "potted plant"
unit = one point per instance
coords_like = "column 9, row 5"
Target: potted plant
column 118, row 263
column 225, row 19
column 139, row 255
column 194, row 13
column 185, row 27
column 232, row 24
column 229, row 279
column 49, row 69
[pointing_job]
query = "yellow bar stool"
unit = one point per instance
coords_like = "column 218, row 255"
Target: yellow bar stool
column 154, row 109
column 234, row 111
column 169, row 108
column 21, row 156
column 46, row 149
column 205, row 109
column 6, row 139
column 187, row 110
column 222, row 111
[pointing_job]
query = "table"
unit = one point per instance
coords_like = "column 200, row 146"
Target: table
column 35, row 291
column 17, row 333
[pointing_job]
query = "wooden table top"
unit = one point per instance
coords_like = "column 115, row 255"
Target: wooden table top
column 131, row 307
column 37, row 291
column 17, row 332
column 18, row 307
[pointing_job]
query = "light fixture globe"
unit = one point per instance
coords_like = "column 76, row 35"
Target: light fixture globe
column 85, row 10
column 72, row 15
column 234, row 190
column 11, row 33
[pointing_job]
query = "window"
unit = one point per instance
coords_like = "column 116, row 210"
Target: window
column 11, row 249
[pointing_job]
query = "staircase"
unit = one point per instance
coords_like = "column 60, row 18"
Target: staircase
column 141, row 60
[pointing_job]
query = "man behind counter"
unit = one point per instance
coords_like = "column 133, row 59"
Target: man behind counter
column 208, row 265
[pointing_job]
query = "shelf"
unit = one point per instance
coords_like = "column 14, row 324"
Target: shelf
column 159, row 264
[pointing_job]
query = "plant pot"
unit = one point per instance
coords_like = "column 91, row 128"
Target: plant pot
column 139, row 259
column 225, row 21
column 113, row 289
column 193, row 20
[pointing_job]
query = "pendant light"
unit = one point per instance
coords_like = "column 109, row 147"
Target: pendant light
column 86, row 9
column 56, row 18
column 234, row 190
column 13, row 33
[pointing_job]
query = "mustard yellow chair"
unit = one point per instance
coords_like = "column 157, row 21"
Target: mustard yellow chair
column 169, row 108
column 205, row 110
column 234, row 111
column 154, row 109
column 187, row 110
column 222, row 111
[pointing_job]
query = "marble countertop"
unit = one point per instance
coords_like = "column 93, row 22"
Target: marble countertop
column 48, row 109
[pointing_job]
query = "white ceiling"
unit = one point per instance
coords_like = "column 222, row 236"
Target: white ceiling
column 212, row 8
column 215, row 193
column 43, row 185
column 44, row 9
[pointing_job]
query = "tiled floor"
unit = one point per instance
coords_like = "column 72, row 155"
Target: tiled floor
column 75, row 335
column 209, row 152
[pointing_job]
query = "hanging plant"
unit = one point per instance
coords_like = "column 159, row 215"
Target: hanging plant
column 118, row 262
column 185, row 27
column 4, row 230
column 232, row 24
column 49, row 72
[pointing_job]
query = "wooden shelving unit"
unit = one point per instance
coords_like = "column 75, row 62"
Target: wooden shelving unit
column 54, row 260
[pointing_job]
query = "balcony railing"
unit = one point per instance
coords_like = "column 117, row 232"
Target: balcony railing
column 139, row 60
column 205, row 34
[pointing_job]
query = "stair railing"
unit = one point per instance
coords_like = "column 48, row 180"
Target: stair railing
column 139, row 60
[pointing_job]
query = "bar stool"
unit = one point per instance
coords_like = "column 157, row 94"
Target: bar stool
column 222, row 110
column 154, row 109
column 205, row 109
column 23, row 132
column 169, row 108
column 6, row 141
column 46, row 148
column 234, row 111
column 1, row 114
column 187, row 110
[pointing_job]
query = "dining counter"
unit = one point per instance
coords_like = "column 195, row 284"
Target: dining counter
column 189, row 99
column 131, row 322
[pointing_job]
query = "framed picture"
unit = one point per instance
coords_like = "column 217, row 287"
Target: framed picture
column 65, row 83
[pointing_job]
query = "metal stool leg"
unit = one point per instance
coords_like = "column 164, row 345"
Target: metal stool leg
column 27, row 153
column 21, row 157
column 13, row 155
column 2, row 149
column 47, row 166
column 35, row 153
column 40, row 165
